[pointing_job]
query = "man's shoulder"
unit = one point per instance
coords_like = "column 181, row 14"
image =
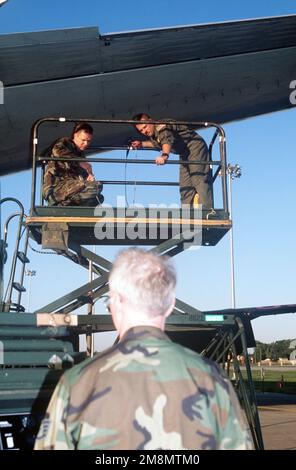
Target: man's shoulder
column 172, row 126
column 56, row 145
column 65, row 147
column 74, row 374
column 167, row 125
column 63, row 141
column 197, row 361
column 160, row 127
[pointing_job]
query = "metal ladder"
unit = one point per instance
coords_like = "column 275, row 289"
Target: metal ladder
column 19, row 257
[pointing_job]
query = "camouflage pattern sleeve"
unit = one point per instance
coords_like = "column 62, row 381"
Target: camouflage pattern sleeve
column 53, row 433
column 49, row 179
column 56, row 171
column 59, row 149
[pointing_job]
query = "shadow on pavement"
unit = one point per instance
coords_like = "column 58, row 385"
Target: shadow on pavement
column 269, row 399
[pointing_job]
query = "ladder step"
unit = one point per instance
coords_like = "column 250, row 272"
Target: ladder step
column 18, row 287
column 22, row 257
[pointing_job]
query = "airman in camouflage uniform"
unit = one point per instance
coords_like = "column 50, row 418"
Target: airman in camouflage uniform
column 195, row 180
column 146, row 392
column 72, row 183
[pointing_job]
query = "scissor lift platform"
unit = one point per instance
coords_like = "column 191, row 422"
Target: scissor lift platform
column 130, row 226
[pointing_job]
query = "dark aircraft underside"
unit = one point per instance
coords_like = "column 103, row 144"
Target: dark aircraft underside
column 213, row 72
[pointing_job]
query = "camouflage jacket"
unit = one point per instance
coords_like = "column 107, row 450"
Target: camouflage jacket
column 146, row 392
column 179, row 137
column 58, row 171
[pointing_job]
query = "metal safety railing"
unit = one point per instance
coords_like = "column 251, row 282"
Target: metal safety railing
column 221, row 164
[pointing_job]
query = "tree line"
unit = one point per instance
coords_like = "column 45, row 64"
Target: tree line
column 273, row 351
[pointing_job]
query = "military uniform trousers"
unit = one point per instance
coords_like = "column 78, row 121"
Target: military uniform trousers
column 196, row 179
column 76, row 192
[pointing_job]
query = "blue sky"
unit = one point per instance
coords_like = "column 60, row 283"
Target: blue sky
column 263, row 199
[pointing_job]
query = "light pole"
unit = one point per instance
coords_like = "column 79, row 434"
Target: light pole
column 90, row 311
column 233, row 171
column 30, row 274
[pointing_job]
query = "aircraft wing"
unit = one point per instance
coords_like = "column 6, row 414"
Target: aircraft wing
column 214, row 72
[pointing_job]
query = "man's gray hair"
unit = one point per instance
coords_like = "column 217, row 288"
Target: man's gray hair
column 147, row 280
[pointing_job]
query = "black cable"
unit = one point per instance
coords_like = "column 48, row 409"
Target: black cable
column 43, row 252
column 129, row 140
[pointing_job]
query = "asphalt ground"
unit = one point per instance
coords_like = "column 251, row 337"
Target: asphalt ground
column 277, row 413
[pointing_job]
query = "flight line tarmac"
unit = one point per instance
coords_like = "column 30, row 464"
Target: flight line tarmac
column 277, row 414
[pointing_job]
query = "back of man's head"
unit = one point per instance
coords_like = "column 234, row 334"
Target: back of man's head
column 147, row 280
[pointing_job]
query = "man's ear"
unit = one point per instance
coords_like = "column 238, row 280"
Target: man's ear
column 119, row 298
column 115, row 309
